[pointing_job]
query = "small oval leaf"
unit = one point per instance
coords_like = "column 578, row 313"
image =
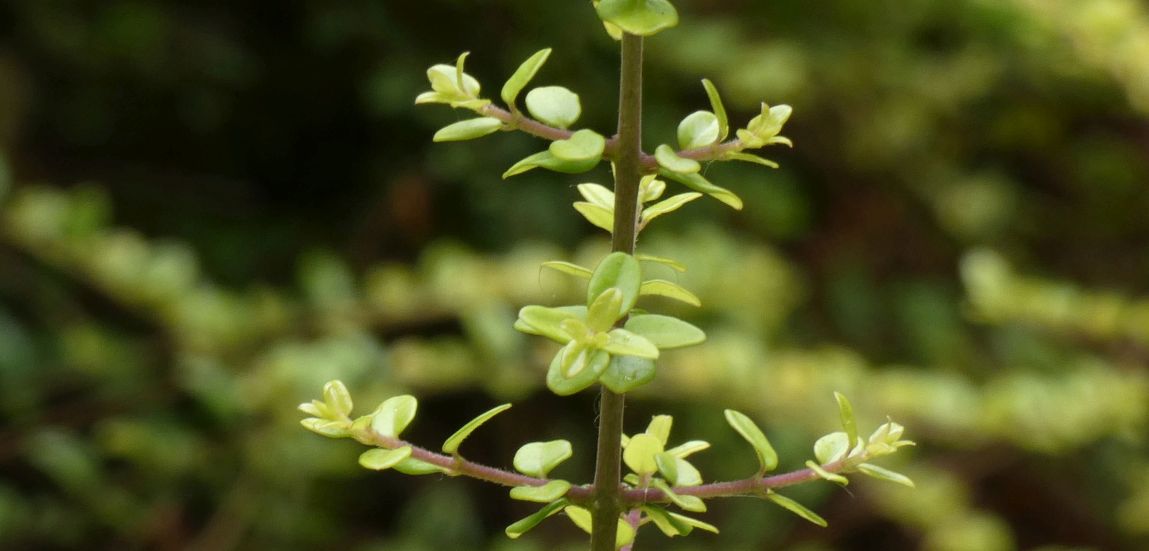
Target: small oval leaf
column 393, row 415
column 541, row 494
column 523, row 525
column 593, row 364
column 638, row 17
column 337, row 399
column 598, row 216
column 616, row 270
column 640, row 453
column 568, row 268
column 538, row 458
column 664, row 288
column 625, row 343
column 554, row 105
column 831, row 447
column 767, row 457
column 626, row 373
column 523, row 76
column 702, row 185
column 698, row 129
column 468, row 129
column 668, row 159
column 451, row 445
column 380, row 459
column 597, row 194
column 583, row 146
column 667, row 206
column 846, row 414
column 885, row 474
column 827, row 475
column 415, row 467
column 717, row 107
column 547, row 322
column 665, row 331
column 797, row 509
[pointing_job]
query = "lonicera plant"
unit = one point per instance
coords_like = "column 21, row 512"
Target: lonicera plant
column 608, row 342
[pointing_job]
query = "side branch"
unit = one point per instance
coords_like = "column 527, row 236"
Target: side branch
column 646, row 161
column 756, row 485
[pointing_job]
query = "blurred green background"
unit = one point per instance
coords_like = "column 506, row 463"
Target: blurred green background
column 208, row 209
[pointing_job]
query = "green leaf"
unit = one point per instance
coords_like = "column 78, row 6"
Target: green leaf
column 586, row 365
column 638, row 17
column 667, row 158
column 689, row 448
column 693, row 504
column 393, row 415
column 669, row 525
column 625, row 343
column 640, row 453
column 664, row 288
column 688, row 475
column 415, row 467
column 549, row 161
column 668, row 205
column 670, row 263
column 831, row 447
column 568, row 268
column 523, row 76
column 523, row 525
column 605, row 310
column 767, row 457
column 583, row 146
column 694, row 522
column 446, row 87
column 796, row 508
column 665, row 331
column 659, row 427
column 468, row 129
column 667, row 467
column 451, row 445
column 597, row 194
column 582, row 518
column 698, row 129
column 547, row 322
column 749, row 158
column 596, row 215
column 326, row 427
column 538, row 458
column 827, row 475
column 719, row 110
column 533, row 161
column 650, row 188
column 541, row 494
column 885, row 474
column 337, row 399
column 317, row 409
column 380, row 459
column 849, row 422
column 626, row 373
column 616, row 270
column 702, row 185
column 554, row 105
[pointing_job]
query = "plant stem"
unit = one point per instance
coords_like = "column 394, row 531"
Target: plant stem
column 607, row 504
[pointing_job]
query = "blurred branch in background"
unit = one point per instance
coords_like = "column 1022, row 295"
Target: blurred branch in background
column 961, row 242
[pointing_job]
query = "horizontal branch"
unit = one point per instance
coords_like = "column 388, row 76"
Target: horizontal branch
column 756, row 485
column 647, row 162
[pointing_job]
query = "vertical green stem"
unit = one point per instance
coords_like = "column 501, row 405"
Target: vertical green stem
column 627, row 175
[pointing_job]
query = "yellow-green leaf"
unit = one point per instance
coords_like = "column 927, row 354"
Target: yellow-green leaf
column 451, row 445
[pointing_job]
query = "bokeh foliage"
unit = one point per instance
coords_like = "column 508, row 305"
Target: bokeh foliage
column 209, row 209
